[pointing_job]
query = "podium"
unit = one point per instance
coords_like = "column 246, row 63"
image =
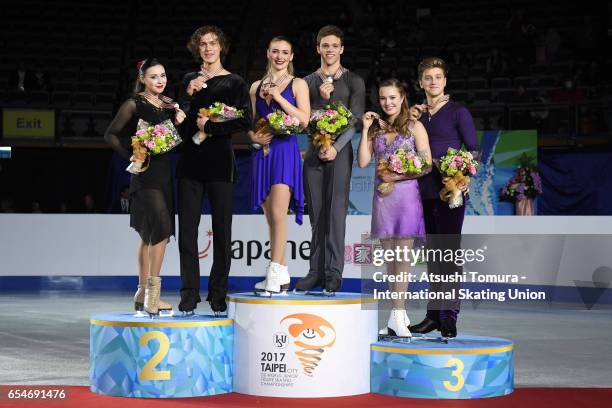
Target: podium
column 465, row 368
column 165, row 357
column 296, row 346
column 303, row 346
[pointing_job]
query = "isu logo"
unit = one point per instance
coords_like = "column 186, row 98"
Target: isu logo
column 312, row 335
column 280, row 340
column 204, row 253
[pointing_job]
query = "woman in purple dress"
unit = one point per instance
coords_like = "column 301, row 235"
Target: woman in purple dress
column 397, row 216
column 277, row 169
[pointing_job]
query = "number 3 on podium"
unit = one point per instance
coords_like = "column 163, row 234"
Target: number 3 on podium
column 147, row 373
column 456, row 373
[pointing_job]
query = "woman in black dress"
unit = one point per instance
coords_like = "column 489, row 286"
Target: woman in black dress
column 151, row 204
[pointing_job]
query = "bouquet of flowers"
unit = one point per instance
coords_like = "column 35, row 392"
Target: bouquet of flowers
column 278, row 123
column 400, row 162
column 327, row 124
column 151, row 140
column 525, row 184
column 217, row 112
column 281, row 123
column 456, row 168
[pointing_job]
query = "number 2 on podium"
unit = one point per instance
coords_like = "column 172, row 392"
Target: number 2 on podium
column 456, row 373
column 147, row 372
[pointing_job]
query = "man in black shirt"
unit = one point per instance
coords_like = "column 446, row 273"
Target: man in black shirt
column 207, row 165
column 327, row 173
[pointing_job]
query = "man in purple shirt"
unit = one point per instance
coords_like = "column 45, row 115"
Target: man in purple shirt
column 448, row 124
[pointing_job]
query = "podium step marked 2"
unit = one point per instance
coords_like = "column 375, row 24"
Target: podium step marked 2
column 467, row 367
column 160, row 358
column 303, row 346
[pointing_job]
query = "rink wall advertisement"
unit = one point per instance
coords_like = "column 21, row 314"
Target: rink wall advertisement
column 558, row 251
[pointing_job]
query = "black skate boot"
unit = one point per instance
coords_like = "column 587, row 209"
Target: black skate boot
column 426, row 326
column 448, row 329
column 333, row 282
column 218, row 305
column 309, row 282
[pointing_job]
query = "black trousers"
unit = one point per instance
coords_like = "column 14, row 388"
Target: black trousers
column 327, row 186
column 190, row 196
column 443, row 227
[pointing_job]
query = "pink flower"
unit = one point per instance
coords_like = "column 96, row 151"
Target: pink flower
column 472, row 169
column 141, row 132
column 395, row 163
column 159, row 130
column 458, row 160
column 417, row 162
column 453, row 165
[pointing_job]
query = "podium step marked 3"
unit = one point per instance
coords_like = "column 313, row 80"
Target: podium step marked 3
column 160, row 358
column 303, row 346
column 467, row 367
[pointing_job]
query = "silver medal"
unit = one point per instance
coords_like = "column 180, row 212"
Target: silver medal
column 204, row 85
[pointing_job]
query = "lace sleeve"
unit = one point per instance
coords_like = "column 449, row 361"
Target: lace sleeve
column 126, row 112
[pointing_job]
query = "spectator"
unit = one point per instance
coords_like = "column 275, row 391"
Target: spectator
column 592, row 76
column 496, row 64
column 7, row 205
column 521, row 117
column 26, row 81
column 540, row 50
column 460, row 63
column 18, row 78
column 552, row 43
column 122, row 204
column 346, row 20
column 373, row 93
column 36, row 207
column 540, row 114
column 40, row 80
column 520, row 33
column 520, row 95
column 568, row 94
column 89, row 204
column 63, row 207
column 420, row 36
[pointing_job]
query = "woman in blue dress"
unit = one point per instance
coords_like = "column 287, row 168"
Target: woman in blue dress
column 277, row 169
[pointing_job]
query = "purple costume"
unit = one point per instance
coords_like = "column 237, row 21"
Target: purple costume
column 283, row 164
column 451, row 126
column 400, row 213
